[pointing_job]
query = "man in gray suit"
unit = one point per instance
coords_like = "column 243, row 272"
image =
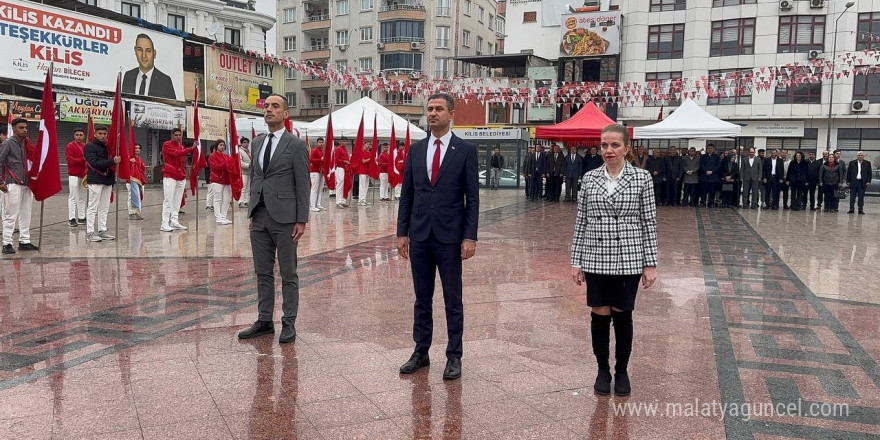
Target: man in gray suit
column 751, row 173
column 279, row 211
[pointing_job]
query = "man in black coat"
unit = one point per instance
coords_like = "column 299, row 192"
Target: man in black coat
column 146, row 79
column 101, row 177
column 533, row 168
column 674, row 173
column 555, row 172
column 573, row 171
column 774, row 174
column 656, row 165
column 592, row 160
column 858, row 177
column 813, row 168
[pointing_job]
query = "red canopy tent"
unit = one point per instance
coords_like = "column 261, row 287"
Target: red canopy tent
column 585, row 125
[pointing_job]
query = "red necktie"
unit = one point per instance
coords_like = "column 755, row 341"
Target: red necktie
column 435, row 165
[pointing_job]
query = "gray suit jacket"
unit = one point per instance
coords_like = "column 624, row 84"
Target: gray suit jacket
column 285, row 188
column 754, row 172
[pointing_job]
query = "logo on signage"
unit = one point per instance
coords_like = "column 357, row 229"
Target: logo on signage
column 21, row 64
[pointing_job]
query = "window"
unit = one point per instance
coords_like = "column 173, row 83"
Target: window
column 801, row 33
column 366, row 64
column 366, row 5
column 530, row 17
column 481, row 14
column 398, row 98
column 318, row 101
column 341, row 7
column 867, row 86
column 717, row 3
column 177, row 22
column 341, row 37
column 491, row 21
column 733, row 37
column 852, row 140
column 730, row 86
column 441, row 68
column 367, row 94
column 89, row 2
column 668, row 84
column 318, row 43
column 804, row 93
column 668, row 5
column 466, row 38
column 497, row 113
column 405, row 61
column 443, row 8
column 479, row 45
column 499, row 25
column 342, row 96
column 131, row 10
column 291, row 99
column 402, row 31
column 442, row 37
column 808, row 142
column 868, row 30
column 289, row 43
column 341, row 65
column 366, row 34
column 289, row 73
column 665, row 41
column 467, row 7
column 289, row 15
column 491, row 49
column 232, row 36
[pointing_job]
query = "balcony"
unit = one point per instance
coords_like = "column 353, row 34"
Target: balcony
column 396, row 44
column 314, row 110
column 402, row 11
column 316, row 21
column 316, row 52
column 310, row 82
column 404, row 107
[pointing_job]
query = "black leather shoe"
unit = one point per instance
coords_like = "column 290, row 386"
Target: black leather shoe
column 851, row 211
column 861, row 212
column 416, row 361
column 621, row 384
column 453, row 369
column 28, row 247
column 602, row 386
column 7, row 249
column 259, row 328
column 288, row 333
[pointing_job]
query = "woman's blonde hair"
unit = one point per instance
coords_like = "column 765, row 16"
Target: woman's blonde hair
column 624, row 133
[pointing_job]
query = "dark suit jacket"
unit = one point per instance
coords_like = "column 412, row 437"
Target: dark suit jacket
column 449, row 209
column 532, row 165
column 161, row 85
column 729, row 168
column 798, row 174
column 656, row 165
column 768, row 169
column 285, row 187
column 813, row 170
column 592, row 162
column 710, row 162
column 555, row 167
column 853, row 171
column 575, row 168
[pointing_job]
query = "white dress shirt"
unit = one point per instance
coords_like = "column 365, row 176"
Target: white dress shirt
column 859, row 166
column 751, row 161
column 772, row 166
column 444, row 145
column 275, row 142
column 611, row 182
column 140, row 79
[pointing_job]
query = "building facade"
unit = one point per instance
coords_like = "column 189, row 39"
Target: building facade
column 398, row 39
column 226, row 21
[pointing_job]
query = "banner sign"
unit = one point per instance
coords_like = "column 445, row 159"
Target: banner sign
column 76, row 108
column 772, row 128
column 251, row 80
column 489, row 133
column 213, row 123
column 590, row 34
column 157, row 116
column 22, row 108
column 88, row 51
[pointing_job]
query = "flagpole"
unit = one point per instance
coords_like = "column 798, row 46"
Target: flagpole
column 40, row 238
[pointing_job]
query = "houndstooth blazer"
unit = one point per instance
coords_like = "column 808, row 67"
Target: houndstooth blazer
column 615, row 234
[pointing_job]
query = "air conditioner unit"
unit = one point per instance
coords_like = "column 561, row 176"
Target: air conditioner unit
column 817, row 4
column 380, row 46
column 859, row 105
column 785, row 5
column 814, row 54
column 342, row 47
column 415, row 45
column 415, row 74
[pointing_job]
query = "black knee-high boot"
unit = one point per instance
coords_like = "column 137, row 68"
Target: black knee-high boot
column 623, row 339
column 600, row 330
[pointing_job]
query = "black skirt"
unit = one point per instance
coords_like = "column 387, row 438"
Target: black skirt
column 617, row 291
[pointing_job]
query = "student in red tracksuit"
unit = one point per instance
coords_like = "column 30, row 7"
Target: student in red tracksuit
column 384, row 162
column 136, row 184
column 340, row 156
column 220, row 165
column 399, row 164
column 316, row 162
column 76, row 172
column 173, row 180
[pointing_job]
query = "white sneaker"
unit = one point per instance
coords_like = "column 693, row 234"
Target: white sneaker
column 224, row 222
column 93, row 237
column 315, row 209
column 164, row 228
column 321, row 208
column 178, row 226
column 105, row 236
column 362, row 203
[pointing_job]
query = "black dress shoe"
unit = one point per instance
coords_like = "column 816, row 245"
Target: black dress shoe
column 7, row 249
column 453, row 369
column 416, row 361
column 259, row 328
column 621, row 384
column 602, row 386
column 288, row 333
column 861, row 212
column 28, row 247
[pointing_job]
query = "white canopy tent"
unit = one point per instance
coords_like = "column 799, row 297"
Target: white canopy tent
column 688, row 121
column 347, row 119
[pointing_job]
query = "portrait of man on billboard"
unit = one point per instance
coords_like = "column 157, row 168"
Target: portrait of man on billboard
column 146, row 79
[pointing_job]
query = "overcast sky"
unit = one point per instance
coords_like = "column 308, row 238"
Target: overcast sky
column 268, row 7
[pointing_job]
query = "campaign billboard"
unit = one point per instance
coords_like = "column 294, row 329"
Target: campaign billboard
column 88, row 51
column 590, row 34
column 251, row 80
column 76, row 108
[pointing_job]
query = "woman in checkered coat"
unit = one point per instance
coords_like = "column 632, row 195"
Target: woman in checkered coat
column 613, row 249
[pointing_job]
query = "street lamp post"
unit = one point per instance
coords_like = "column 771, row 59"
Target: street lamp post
column 833, row 61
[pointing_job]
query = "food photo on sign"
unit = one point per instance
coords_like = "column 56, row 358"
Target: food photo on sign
column 590, row 34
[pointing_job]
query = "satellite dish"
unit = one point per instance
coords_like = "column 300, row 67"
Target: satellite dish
column 213, row 29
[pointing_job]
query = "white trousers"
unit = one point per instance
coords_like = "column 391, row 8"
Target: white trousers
column 99, row 206
column 315, row 191
column 383, row 186
column 222, row 196
column 173, row 190
column 340, row 185
column 397, row 191
column 245, row 188
column 209, row 200
column 363, row 187
column 76, row 198
column 19, row 202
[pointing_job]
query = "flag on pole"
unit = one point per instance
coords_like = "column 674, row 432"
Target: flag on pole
column 288, row 125
column 116, row 143
column 393, row 137
column 45, row 173
column 329, row 166
column 660, row 115
column 235, row 179
column 357, row 151
column 198, row 161
column 373, row 170
column 309, row 146
column 253, row 133
column 406, row 141
column 90, row 131
column 9, row 119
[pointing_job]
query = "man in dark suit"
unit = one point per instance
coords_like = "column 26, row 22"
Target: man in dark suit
column 573, row 172
column 278, row 212
column 710, row 168
column 858, row 177
column 774, row 174
column 592, row 161
column 437, row 229
column 813, row 168
column 146, row 79
column 751, row 173
column 535, row 172
column 554, row 171
column 674, row 172
column 527, row 166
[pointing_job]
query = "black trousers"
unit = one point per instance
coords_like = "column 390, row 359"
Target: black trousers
column 831, row 201
column 673, row 191
column 857, row 189
column 658, row 191
column 771, row 193
column 784, row 188
column 798, row 196
column 707, row 192
column 427, row 258
column 535, row 185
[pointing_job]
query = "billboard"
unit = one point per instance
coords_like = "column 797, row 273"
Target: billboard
column 22, row 108
column 213, row 123
column 76, row 108
column 157, row 116
column 250, row 79
column 590, row 34
column 88, row 51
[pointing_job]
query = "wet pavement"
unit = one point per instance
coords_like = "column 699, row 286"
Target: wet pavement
column 136, row 338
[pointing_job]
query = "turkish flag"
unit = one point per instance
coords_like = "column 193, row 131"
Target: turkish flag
column 116, row 143
column 45, row 173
